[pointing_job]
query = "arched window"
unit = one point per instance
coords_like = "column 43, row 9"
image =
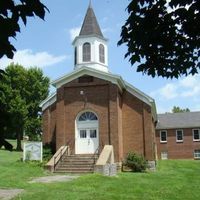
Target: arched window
column 101, row 53
column 75, row 55
column 88, row 116
column 86, row 52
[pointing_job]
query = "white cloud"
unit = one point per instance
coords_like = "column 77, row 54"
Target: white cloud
column 28, row 58
column 191, row 86
column 186, row 87
column 106, row 30
column 169, row 91
column 74, row 32
column 161, row 109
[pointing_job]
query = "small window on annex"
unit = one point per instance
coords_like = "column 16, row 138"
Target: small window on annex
column 196, row 135
column 164, row 155
column 163, row 136
column 197, row 153
column 101, row 53
column 179, row 135
column 86, row 52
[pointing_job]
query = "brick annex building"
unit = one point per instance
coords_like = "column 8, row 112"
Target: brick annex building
column 93, row 107
column 178, row 135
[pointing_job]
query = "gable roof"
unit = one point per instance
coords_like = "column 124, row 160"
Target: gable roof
column 90, row 24
column 113, row 78
column 178, row 120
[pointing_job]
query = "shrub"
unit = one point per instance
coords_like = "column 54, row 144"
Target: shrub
column 47, row 152
column 135, row 162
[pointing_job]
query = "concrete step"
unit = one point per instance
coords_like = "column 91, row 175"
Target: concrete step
column 78, row 161
column 77, row 164
column 79, row 158
column 74, row 170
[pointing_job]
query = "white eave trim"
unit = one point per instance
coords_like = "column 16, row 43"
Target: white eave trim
column 115, row 79
column 48, row 101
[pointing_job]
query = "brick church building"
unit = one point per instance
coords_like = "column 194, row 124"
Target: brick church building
column 92, row 107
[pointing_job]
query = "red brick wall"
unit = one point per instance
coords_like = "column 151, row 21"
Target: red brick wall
column 101, row 99
column 137, row 127
column 177, row 150
column 49, row 126
column 121, row 117
column 149, row 133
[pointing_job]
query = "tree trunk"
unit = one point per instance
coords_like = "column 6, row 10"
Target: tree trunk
column 19, row 137
column 1, row 140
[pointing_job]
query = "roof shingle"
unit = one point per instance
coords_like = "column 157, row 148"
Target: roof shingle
column 178, row 120
column 90, row 25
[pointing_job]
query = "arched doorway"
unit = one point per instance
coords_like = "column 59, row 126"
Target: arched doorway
column 87, row 133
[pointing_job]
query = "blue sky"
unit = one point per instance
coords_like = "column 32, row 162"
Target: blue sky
column 47, row 44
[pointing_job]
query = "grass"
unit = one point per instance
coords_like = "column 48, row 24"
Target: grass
column 173, row 180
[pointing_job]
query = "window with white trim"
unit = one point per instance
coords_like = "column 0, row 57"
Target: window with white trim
column 164, row 155
column 87, row 116
column 179, row 135
column 86, row 52
column 196, row 134
column 163, row 136
column 197, row 153
column 101, row 53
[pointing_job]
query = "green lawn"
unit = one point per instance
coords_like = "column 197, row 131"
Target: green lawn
column 173, row 180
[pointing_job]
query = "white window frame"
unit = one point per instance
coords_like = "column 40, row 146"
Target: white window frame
column 196, row 140
column 177, row 135
column 101, row 53
column 197, row 154
column 161, row 137
column 164, row 155
column 86, row 51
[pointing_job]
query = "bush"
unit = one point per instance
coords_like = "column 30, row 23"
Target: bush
column 47, row 152
column 135, row 162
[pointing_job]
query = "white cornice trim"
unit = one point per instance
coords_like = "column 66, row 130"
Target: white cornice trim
column 48, row 101
column 89, row 36
column 115, row 79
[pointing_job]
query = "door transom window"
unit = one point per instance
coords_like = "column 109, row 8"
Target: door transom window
column 88, row 116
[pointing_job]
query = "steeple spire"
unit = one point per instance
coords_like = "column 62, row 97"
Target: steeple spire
column 90, row 47
column 90, row 4
column 90, row 25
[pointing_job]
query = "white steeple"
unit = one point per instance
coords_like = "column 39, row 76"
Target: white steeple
column 90, row 47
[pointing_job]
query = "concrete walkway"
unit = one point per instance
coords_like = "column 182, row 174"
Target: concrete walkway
column 6, row 194
column 56, row 178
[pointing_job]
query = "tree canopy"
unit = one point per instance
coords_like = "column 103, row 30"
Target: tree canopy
column 163, row 37
column 11, row 12
column 177, row 109
column 21, row 91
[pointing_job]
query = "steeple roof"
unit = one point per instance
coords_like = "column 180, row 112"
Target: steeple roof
column 90, row 25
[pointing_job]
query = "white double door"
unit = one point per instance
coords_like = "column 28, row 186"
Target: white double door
column 87, row 140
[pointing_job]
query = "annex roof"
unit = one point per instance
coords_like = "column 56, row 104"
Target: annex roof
column 178, row 120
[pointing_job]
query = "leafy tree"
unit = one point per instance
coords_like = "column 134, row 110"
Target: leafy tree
column 11, row 12
column 177, row 109
column 36, row 91
column 163, row 37
column 22, row 91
